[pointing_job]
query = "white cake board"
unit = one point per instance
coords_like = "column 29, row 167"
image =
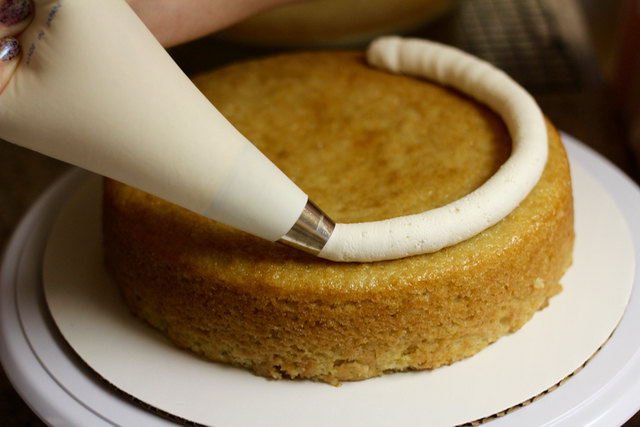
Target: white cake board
column 139, row 361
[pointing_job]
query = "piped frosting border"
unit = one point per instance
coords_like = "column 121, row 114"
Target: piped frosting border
column 435, row 229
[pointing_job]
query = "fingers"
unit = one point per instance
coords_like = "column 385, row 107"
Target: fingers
column 15, row 16
column 177, row 21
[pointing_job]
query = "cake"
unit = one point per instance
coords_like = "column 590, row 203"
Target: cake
column 365, row 145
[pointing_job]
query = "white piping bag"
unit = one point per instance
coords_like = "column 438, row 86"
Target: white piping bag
column 95, row 89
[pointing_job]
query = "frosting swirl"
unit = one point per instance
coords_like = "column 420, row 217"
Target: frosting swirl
column 462, row 219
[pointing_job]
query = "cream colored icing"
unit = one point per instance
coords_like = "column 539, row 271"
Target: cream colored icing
column 435, row 229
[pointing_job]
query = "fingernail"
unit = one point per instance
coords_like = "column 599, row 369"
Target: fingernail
column 14, row 11
column 9, row 59
column 9, row 49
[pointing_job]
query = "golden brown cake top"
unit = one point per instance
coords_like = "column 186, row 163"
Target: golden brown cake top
column 387, row 164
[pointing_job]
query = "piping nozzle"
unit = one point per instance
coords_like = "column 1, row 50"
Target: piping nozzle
column 311, row 231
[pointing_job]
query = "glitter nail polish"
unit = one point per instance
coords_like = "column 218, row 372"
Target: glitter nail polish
column 9, row 49
column 14, row 11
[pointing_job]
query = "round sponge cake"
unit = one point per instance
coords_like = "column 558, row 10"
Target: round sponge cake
column 364, row 145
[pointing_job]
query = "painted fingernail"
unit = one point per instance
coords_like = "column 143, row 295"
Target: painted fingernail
column 14, row 11
column 9, row 49
column 9, row 60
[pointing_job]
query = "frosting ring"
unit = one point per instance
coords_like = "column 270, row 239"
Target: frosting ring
column 462, row 219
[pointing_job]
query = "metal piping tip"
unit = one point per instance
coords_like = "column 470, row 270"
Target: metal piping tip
column 310, row 232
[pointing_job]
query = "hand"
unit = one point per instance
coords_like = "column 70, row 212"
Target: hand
column 177, row 21
column 15, row 16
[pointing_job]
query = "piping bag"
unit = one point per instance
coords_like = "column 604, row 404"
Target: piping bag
column 95, row 89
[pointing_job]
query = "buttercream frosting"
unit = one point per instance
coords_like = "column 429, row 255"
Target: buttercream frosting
column 464, row 218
